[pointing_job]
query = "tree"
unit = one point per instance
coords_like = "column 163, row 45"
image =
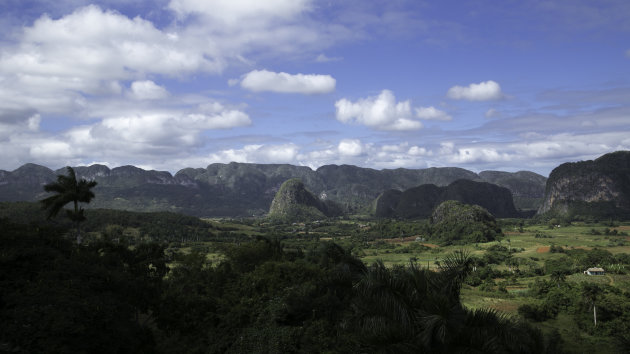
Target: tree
column 408, row 309
column 67, row 189
column 590, row 292
column 558, row 277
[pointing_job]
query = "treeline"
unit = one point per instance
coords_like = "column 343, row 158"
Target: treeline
column 112, row 224
column 56, row 296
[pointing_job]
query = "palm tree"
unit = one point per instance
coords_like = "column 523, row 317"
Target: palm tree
column 411, row 310
column 590, row 292
column 67, row 189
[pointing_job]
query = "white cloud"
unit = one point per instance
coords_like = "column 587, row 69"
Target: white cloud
column 381, row 112
column 322, row 58
column 263, row 80
column 492, row 113
column 61, row 65
column 419, row 151
column 33, row 122
column 237, row 12
column 483, row 91
column 628, row 53
column 164, row 128
column 257, row 153
column 477, row 154
column 91, row 44
column 147, row 90
column 432, row 113
column 350, row 147
column 239, row 29
column 51, row 149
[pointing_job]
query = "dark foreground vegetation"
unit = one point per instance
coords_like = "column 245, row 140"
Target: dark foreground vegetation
column 109, row 296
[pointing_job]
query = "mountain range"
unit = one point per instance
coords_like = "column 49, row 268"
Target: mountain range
column 244, row 189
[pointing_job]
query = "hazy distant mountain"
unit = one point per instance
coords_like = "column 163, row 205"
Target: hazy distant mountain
column 528, row 188
column 599, row 188
column 234, row 189
column 419, row 202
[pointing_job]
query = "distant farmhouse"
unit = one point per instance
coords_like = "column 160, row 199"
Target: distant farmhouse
column 594, row 271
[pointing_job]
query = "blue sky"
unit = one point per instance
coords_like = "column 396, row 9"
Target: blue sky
column 501, row 85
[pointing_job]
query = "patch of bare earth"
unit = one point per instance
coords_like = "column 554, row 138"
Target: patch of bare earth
column 544, row 249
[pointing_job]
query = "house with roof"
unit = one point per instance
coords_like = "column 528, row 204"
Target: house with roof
column 595, row 271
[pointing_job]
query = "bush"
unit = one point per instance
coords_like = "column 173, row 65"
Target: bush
column 537, row 312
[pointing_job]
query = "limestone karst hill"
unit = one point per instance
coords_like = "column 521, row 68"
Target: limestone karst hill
column 594, row 188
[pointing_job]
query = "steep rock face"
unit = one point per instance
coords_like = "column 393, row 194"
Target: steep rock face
column 88, row 172
column 385, row 204
column 419, row 202
column 598, row 187
column 293, row 202
column 521, row 183
column 528, row 188
column 497, row 200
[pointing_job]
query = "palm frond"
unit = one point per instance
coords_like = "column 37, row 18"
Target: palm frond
column 66, row 189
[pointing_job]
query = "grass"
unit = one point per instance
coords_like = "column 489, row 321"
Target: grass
column 508, row 303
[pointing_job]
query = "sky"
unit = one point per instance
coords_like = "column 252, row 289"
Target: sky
column 167, row 84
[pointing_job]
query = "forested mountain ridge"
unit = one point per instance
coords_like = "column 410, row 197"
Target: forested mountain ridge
column 234, row 189
column 599, row 187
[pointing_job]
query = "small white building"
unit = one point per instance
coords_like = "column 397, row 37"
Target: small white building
column 595, row 271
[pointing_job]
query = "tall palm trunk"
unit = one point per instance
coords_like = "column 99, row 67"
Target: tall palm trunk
column 77, row 221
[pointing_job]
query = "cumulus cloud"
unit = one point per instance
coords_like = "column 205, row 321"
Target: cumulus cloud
column 147, row 90
column 60, row 66
column 432, row 113
column 92, row 44
column 350, row 147
column 51, row 149
column 419, row 151
column 164, row 128
column 478, row 154
column 263, row 80
column 257, row 153
column 483, row 91
column 381, row 112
